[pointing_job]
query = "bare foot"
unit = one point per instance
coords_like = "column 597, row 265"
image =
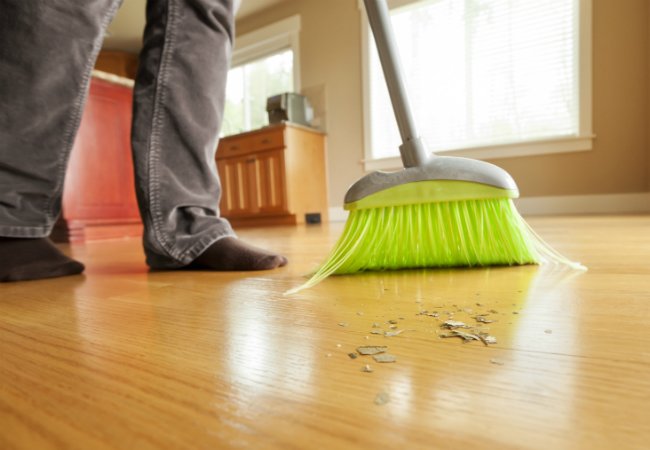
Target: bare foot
column 230, row 253
column 33, row 259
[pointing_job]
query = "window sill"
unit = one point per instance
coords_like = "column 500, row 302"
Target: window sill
column 514, row 150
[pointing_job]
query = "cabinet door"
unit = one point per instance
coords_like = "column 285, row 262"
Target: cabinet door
column 99, row 183
column 253, row 184
column 237, row 186
column 270, row 191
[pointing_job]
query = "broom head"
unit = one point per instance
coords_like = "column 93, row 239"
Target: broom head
column 435, row 223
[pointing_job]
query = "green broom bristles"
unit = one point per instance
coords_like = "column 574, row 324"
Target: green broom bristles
column 465, row 233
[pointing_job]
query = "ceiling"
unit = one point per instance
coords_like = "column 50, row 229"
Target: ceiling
column 125, row 32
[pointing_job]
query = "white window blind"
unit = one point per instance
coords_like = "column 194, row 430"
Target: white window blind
column 481, row 73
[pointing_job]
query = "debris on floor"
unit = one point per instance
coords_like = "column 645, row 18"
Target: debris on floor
column 548, row 331
column 371, row 349
column 382, row 398
column 483, row 319
column 487, row 339
column 393, row 333
column 467, row 337
column 449, row 321
column 451, row 324
column 384, row 358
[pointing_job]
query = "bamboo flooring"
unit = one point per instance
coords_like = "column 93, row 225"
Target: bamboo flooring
column 123, row 358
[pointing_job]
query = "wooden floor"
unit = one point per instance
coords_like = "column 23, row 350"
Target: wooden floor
column 125, row 359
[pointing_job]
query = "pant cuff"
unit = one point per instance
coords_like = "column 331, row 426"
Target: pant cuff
column 25, row 232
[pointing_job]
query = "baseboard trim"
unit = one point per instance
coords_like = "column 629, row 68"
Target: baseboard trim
column 637, row 202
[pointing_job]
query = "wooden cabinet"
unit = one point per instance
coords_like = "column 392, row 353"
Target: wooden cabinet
column 275, row 175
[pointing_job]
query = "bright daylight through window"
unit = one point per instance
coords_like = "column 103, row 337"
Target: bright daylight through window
column 481, row 73
column 249, row 85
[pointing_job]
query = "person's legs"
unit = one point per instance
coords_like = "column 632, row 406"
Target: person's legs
column 178, row 106
column 47, row 53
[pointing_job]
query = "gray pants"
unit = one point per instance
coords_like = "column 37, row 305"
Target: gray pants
column 47, row 51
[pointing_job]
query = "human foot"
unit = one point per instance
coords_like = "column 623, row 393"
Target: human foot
column 230, row 253
column 33, row 259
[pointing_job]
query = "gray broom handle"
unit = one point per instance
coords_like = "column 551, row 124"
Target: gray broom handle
column 412, row 148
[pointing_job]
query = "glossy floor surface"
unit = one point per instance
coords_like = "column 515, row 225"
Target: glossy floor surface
column 121, row 358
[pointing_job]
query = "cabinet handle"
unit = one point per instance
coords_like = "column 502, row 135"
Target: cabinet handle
column 250, row 160
column 234, row 147
column 266, row 141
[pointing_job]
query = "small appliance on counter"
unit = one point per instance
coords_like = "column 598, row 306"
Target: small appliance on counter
column 289, row 107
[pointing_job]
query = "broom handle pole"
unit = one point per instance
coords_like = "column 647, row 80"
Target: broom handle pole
column 412, row 149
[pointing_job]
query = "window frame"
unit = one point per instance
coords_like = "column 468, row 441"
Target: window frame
column 582, row 142
column 268, row 41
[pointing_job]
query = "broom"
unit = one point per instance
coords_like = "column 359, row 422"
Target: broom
column 439, row 211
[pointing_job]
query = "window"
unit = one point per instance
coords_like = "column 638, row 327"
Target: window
column 486, row 78
column 264, row 63
column 249, row 85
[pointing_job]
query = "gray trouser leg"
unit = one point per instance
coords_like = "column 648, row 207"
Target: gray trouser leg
column 47, row 51
column 178, row 107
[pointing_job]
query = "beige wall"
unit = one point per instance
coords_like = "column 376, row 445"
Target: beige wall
column 619, row 161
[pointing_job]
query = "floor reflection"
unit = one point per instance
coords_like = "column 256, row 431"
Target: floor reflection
column 264, row 352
